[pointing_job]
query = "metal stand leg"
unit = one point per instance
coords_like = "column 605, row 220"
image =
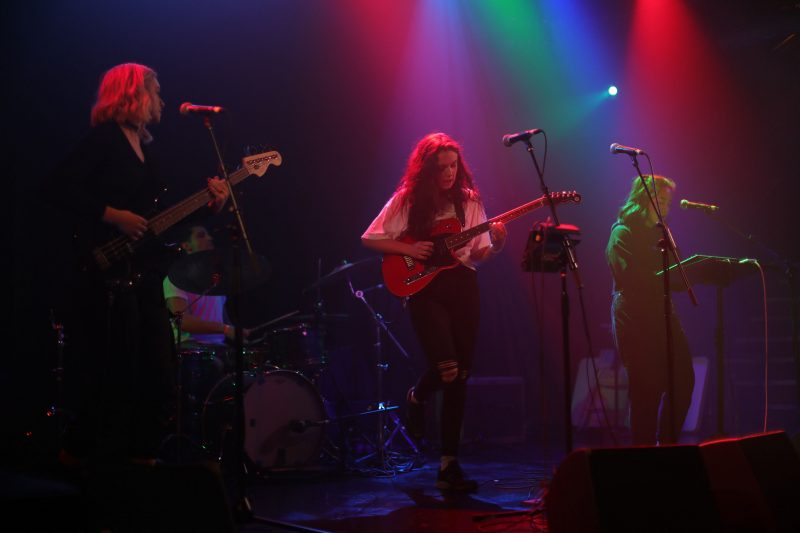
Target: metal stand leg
column 400, row 428
column 383, row 441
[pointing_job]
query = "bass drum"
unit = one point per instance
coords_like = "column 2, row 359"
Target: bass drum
column 284, row 416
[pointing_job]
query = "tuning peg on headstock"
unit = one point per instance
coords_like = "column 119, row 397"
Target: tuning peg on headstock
column 568, row 196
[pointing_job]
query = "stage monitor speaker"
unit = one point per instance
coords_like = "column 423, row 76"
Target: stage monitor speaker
column 172, row 498
column 631, row 489
column 748, row 483
column 755, row 481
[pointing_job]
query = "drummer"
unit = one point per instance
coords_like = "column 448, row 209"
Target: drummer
column 202, row 317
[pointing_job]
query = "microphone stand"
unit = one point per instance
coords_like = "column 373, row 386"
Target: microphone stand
column 667, row 246
column 572, row 263
column 243, row 509
column 568, row 260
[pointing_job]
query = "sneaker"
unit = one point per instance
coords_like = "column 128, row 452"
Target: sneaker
column 415, row 417
column 452, row 478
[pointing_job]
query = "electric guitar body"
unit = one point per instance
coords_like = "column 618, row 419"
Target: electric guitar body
column 405, row 276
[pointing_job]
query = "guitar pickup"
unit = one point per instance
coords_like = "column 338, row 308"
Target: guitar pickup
column 419, row 275
column 409, row 261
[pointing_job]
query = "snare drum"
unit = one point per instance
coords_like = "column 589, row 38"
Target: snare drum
column 284, row 418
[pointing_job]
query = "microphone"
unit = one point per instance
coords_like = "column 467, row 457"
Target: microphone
column 511, row 138
column 189, row 108
column 707, row 208
column 617, row 148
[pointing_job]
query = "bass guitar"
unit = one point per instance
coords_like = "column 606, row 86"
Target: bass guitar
column 405, row 276
column 120, row 250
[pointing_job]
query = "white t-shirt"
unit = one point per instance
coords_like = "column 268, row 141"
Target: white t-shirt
column 209, row 308
column 393, row 220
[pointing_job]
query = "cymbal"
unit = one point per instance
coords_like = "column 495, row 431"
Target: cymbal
column 346, row 265
column 211, row 272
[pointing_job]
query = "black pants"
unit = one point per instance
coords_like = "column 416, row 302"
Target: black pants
column 640, row 335
column 121, row 375
column 445, row 316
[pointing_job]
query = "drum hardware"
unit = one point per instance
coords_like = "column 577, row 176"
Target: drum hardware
column 382, row 447
column 386, row 414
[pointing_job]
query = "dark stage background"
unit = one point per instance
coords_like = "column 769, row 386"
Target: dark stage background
column 344, row 89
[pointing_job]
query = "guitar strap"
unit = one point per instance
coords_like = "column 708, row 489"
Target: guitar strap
column 460, row 213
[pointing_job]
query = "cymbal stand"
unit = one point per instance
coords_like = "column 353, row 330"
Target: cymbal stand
column 382, row 366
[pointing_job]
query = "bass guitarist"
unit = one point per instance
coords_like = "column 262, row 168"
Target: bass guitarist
column 120, row 352
column 438, row 191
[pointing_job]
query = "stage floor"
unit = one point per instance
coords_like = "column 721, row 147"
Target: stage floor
column 360, row 492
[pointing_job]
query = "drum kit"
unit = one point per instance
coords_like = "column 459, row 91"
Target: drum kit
column 286, row 417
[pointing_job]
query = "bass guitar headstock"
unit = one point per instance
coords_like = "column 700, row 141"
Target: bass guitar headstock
column 257, row 164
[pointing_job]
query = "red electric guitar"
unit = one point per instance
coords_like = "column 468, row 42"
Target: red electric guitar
column 404, row 275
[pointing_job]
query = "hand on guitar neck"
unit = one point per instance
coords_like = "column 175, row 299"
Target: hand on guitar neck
column 497, row 234
column 219, row 192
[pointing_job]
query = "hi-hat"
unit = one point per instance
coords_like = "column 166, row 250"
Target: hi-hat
column 212, row 272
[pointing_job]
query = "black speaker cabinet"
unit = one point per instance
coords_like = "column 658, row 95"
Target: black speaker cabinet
column 742, row 484
column 631, row 489
column 755, row 481
column 168, row 498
